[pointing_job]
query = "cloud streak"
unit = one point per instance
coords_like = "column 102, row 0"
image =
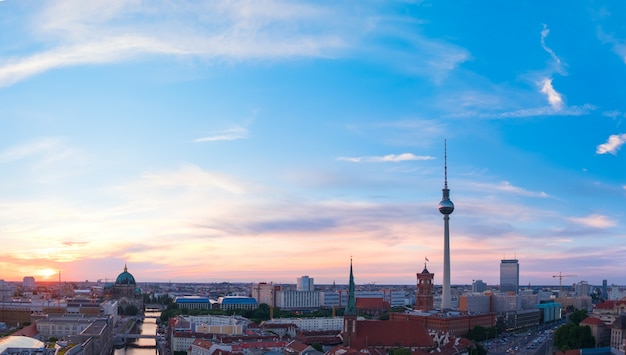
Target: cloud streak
column 389, row 158
column 51, row 148
column 225, row 135
column 595, row 221
column 544, row 34
column 506, row 186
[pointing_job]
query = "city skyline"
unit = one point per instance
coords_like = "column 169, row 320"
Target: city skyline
column 241, row 141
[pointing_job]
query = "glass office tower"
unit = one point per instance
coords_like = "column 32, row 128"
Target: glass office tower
column 509, row 275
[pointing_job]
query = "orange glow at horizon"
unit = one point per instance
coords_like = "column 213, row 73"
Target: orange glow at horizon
column 47, row 273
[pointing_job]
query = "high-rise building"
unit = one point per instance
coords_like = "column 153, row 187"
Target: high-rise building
column 509, row 275
column 305, row 283
column 264, row 292
column 446, row 207
column 583, row 288
column 28, row 283
column 479, row 286
column 605, row 292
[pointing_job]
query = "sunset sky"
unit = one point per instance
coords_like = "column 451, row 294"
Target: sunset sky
column 260, row 141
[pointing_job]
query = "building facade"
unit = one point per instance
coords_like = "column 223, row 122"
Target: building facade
column 305, row 283
column 424, row 300
column 509, row 275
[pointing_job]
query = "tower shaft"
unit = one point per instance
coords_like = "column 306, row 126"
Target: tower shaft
column 446, row 298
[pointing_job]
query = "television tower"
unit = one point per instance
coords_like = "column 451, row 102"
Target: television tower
column 446, row 207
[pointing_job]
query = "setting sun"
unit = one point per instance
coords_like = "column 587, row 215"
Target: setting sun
column 47, row 273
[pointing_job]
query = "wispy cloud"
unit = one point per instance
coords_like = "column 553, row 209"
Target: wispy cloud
column 618, row 45
column 52, row 149
column 544, row 34
column 225, row 135
column 97, row 32
column 506, row 186
column 193, row 177
column 554, row 98
column 612, row 114
column 612, row 145
column 543, row 111
column 74, row 33
column 595, row 221
column 389, row 158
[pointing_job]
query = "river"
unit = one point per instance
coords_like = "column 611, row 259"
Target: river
column 142, row 346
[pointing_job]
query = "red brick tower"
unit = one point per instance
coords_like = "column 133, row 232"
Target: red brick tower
column 424, row 296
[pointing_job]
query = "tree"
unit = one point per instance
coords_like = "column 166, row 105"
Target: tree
column 400, row 351
column 318, row 347
column 578, row 316
column 130, row 310
column 477, row 349
column 480, row 333
column 572, row 336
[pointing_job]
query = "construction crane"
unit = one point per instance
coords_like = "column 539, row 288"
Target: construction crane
column 561, row 276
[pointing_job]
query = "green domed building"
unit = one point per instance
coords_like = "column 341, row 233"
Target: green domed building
column 125, row 278
column 125, row 291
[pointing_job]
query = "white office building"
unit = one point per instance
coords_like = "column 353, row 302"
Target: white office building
column 305, row 283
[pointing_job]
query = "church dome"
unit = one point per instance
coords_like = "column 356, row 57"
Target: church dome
column 125, row 278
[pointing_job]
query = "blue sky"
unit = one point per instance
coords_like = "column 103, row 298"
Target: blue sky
column 263, row 141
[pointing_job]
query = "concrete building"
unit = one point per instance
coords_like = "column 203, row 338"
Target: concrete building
column 509, row 275
column 551, row 311
column 311, row 324
column 600, row 331
column 305, row 283
column 263, row 292
column 583, row 288
column 529, row 300
column 475, row 303
column 23, row 345
column 618, row 333
column 230, row 325
column 292, row 299
column 28, row 283
column 6, row 291
column 64, row 326
column 578, row 302
column 193, row 302
column 506, row 302
column 479, row 286
column 237, row 302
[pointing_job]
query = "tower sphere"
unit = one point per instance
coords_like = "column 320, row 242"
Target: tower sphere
column 446, row 206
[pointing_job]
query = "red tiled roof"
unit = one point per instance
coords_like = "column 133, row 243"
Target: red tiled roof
column 279, row 325
column 569, row 352
column 297, row 346
column 28, row 331
column 342, row 350
column 371, row 303
column 321, row 337
column 592, row 321
column 398, row 333
column 203, row 343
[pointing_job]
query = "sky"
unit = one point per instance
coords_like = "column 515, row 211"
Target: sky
column 260, row 141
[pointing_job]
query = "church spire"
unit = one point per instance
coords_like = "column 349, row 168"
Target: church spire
column 351, row 305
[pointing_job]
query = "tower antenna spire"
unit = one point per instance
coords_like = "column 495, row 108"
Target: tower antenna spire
column 445, row 164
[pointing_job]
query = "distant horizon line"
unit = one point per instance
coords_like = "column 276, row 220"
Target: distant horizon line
column 526, row 286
